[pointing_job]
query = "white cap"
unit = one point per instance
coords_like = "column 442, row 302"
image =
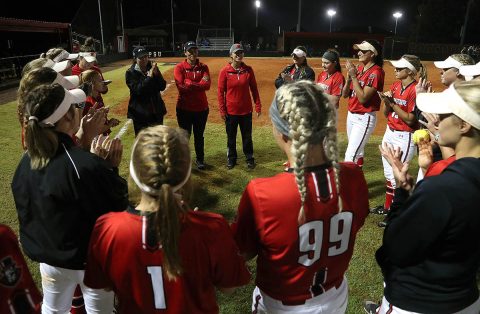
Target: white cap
column 65, row 55
column 365, row 45
column 448, row 101
column 470, row 70
column 88, row 56
column 74, row 96
column 68, row 82
column 448, row 63
column 403, row 63
column 299, row 53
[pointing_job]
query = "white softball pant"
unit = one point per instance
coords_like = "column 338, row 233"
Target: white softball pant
column 332, row 301
column 58, row 286
column 402, row 139
column 386, row 307
column 359, row 129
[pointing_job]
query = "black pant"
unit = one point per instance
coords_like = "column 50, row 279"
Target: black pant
column 245, row 122
column 196, row 120
column 139, row 125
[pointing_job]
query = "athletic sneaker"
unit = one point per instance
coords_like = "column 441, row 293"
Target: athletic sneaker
column 231, row 164
column 370, row 307
column 200, row 164
column 382, row 224
column 379, row 210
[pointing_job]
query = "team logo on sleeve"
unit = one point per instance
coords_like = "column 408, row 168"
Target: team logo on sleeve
column 9, row 272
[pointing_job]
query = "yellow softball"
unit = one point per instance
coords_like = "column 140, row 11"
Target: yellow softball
column 419, row 134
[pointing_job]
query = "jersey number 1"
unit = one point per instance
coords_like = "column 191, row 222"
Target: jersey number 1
column 157, row 283
column 311, row 238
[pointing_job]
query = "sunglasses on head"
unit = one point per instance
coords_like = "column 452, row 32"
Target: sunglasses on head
column 80, row 105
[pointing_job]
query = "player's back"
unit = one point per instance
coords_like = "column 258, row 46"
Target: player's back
column 298, row 261
column 125, row 255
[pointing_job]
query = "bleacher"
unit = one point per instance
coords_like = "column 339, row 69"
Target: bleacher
column 215, row 39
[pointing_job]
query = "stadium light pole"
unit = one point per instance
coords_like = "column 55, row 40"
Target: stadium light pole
column 257, row 5
column 173, row 30
column 397, row 15
column 299, row 15
column 331, row 13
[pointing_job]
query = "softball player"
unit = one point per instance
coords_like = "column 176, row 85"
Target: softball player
column 363, row 83
column 431, row 245
column 331, row 79
column 297, row 223
column 298, row 70
column 401, row 122
column 161, row 257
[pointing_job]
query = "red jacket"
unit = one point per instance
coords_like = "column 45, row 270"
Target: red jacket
column 233, row 91
column 192, row 82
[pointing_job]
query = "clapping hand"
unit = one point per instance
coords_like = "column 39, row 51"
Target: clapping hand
column 400, row 169
column 351, row 69
column 109, row 149
column 423, row 86
column 425, row 154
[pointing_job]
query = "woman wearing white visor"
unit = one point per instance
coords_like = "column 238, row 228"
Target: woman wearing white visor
column 59, row 191
column 62, row 58
column 401, row 121
column 363, row 83
column 449, row 68
column 431, row 245
column 298, row 70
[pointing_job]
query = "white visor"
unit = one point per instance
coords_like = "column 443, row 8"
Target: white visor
column 68, row 82
column 64, row 55
column 89, row 56
column 365, row 45
column 74, row 96
column 403, row 63
column 62, row 65
column 470, row 70
column 448, row 101
column 448, row 63
column 299, row 53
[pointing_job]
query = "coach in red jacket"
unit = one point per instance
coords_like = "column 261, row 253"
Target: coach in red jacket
column 235, row 82
column 193, row 79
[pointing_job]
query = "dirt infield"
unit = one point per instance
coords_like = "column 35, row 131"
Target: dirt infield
column 266, row 71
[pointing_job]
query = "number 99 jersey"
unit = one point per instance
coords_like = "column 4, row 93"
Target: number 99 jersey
column 298, row 262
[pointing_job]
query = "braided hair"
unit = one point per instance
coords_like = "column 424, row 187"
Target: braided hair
column 160, row 165
column 312, row 120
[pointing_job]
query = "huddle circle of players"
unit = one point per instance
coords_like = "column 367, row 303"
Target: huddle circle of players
column 158, row 255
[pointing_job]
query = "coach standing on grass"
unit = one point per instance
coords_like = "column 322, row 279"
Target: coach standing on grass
column 192, row 79
column 298, row 70
column 235, row 82
column 145, row 81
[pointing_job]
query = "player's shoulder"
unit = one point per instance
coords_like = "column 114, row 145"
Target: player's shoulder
column 378, row 69
column 338, row 76
column 205, row 221
column 269, row 182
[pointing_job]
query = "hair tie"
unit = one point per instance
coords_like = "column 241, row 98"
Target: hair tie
column 32, row 118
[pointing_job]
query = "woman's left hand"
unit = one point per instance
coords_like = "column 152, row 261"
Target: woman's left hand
column 400, row 169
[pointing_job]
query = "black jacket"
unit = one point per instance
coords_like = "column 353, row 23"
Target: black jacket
column 146, row 106
column 304, row 72
column 431, row 246
column 58, row 205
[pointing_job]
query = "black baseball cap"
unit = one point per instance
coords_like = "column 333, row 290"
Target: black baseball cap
column 189, row 44
column 139, row 52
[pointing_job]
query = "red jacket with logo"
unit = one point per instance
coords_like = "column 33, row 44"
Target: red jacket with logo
column 192, row 82
column 234, row 88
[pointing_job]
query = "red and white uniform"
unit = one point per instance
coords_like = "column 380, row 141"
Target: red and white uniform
column 234, row 88
column 362, row 118
column 331, row 84
column 296, row 263
column 18, row 292
column 124, row 256
column 192, row 83
column 398, row 133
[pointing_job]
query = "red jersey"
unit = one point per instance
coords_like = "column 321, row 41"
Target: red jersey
column 331, row 84
column 437, row 167
column 234, row 88
column 125, row 256
column 405, row 98
column 373, row 77
column 77, row 70
column 192, row 82
column 18, row 292
column 90, row 102
column 295, row 262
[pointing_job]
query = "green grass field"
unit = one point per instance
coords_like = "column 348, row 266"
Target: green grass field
column 219, row 190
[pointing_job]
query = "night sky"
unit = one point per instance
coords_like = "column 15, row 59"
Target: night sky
column 351, row 15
